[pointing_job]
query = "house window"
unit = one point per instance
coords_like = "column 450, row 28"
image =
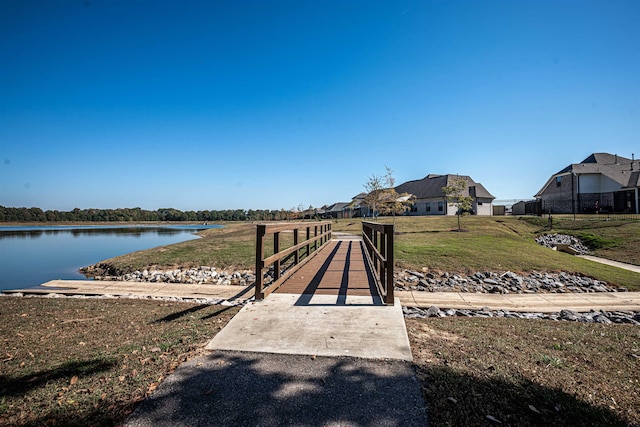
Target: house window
column 558, row 181
column 428, row 206
column 440, row 206
column 414, row 208
column 479, row 203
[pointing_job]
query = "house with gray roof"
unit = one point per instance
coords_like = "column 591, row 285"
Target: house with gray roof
column 602, row 182
column 337, row 210
column 431, row 200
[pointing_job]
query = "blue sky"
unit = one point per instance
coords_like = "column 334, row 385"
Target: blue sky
column 272, row 104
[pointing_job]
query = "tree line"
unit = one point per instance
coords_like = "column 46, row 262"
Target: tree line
column 9, row 214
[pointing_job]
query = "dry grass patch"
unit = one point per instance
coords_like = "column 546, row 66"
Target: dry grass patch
column 527, row 372
column 90, row 361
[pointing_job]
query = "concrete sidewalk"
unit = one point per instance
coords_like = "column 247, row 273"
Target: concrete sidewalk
column 540, row 302
column 322, row 326
column 140, row 289
column 533, row 303
column 618, row 264
column 268, row 367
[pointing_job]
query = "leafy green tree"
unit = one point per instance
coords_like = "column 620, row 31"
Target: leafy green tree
column 456, row 193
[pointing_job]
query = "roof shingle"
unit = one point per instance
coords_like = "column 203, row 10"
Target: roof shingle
column 431, row 186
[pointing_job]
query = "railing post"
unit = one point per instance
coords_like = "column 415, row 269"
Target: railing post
column 375, row 245
column 367, row 232
column 389, row 257
column 296, row 255
column 308, row 237
column 260, row 233
column 383, row 265
column 276, row 249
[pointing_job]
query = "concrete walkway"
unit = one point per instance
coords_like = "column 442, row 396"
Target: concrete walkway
column 532, row 303
column 541, row 302
column 622, row 265
column 140, row 289
column 322, row 326
column 281, row 362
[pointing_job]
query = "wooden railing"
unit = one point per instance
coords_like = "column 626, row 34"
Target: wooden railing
column 378, row 239
column 317, row 234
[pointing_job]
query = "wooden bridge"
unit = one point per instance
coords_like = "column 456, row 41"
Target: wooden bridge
column 322, row 265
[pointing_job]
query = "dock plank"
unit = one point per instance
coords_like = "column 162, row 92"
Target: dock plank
column 340, row 269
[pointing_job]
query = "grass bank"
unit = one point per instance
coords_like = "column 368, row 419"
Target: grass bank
column 495, row 243
column 231, row 247
column 615, row 239
column 500, row 243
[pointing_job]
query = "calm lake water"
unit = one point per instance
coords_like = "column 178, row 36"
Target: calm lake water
column 30, row 256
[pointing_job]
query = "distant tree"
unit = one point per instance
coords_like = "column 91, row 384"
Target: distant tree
column 396, row 204
column 382, row 196
column 455, row 194
column 373, row 187
column 293, row 213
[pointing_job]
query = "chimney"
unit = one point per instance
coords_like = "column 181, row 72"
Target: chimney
column 632, row 160
column 616, row 159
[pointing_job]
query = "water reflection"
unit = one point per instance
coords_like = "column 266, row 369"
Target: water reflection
column 35, row 232
column 30, row 256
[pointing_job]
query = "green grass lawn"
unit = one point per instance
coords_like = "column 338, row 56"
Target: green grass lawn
column 506, row 243
column 486, row 243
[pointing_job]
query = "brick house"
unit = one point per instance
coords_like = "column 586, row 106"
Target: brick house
column 430, row 200
column 602, row 182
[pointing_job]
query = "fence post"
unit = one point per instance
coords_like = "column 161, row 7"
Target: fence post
column 389, row 257
column 296, row 256
column 315, row 234
column 383, row 265
column 276, row 249
column 368, row 233
column 375, row 245
column 260, row 233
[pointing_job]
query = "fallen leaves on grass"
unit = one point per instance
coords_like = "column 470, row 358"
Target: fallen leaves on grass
column 526, row 372
column 61, row 344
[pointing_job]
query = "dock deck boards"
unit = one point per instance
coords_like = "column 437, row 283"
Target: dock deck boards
column 339, row 269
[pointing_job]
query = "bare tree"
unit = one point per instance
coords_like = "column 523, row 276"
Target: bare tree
column 383, row 198
column 373, row 187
